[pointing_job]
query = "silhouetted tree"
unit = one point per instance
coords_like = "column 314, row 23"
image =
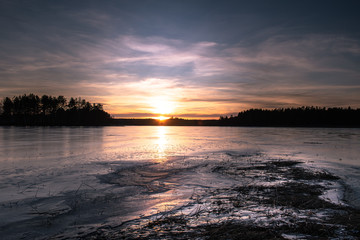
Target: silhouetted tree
column 8, row 106
column 54, row 104
column 98, row 107
column 61, row 102
column 72, row 103
column 48, row 110
column 29, row 104
column 45, row 104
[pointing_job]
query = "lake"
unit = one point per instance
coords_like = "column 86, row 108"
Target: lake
column 84, row 177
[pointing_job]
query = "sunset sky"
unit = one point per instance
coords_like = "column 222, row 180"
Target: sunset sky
column 183, row 58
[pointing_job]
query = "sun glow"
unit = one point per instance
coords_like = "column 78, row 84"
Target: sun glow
column 161, row 118
column 162, row 106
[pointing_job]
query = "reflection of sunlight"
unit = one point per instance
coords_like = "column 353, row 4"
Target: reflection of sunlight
column 161, row 143
column 165, row 202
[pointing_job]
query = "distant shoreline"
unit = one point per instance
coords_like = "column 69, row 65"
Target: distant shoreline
column 177, row 122
column 32, row 110
column 215, row 123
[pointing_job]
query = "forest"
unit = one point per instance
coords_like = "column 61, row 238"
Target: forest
column 302, row 116
column 48, row 110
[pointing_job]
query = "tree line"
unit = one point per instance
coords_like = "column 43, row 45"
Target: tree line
column 302, row 116
column 48, row 110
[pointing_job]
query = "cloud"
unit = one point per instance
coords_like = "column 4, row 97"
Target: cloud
column 102, row 57
column 156, row 51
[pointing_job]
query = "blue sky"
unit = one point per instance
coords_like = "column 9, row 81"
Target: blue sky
column 193, row 59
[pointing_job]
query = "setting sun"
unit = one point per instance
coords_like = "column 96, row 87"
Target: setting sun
column 162, row 118
column 162, row 106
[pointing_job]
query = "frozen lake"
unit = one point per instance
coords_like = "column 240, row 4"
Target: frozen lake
column 58, row 179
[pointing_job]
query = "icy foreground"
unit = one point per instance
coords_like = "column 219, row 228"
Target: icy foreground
column 151, row 186
column 272, row 199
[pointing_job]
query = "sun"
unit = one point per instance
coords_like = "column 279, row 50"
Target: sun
column 162, row 118
column 162, row 106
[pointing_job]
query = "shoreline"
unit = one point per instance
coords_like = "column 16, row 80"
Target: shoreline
column 194, row 125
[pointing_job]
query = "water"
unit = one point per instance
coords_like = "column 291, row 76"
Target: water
column 54, row 174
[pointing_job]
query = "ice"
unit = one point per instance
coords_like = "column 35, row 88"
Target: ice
column 74, row 179
column 334, row 194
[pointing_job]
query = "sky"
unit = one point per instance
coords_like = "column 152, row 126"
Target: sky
column 183, row 58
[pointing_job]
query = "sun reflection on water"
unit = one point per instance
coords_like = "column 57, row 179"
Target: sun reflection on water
column 161, row 142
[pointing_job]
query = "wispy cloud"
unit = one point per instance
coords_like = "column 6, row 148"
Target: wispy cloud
column 108, row 58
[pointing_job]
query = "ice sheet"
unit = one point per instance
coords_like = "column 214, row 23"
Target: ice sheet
column 63, row 179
